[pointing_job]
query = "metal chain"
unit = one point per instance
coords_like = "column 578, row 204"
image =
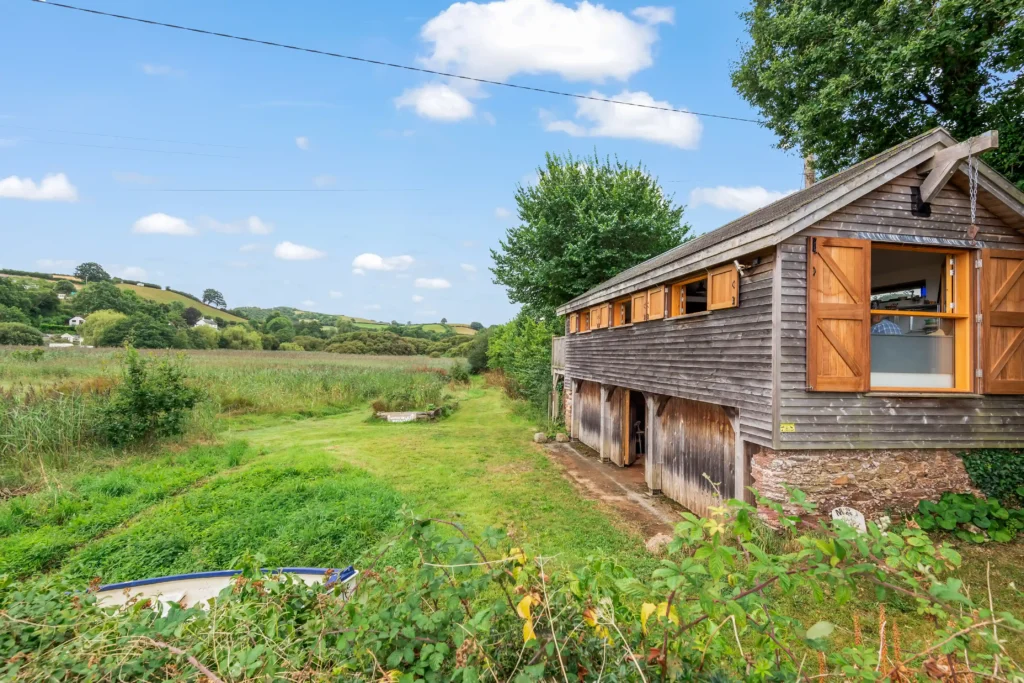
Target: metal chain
column 972, row 180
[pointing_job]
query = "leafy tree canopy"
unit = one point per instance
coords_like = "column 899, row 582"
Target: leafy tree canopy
column 280, row 327
column 192, row 315
column 64, row 287
column 104, row 296
column 20, row 334
column 10, row 314
column 476, row 326
column 846, row 79
column 214, row 298
column 91, row 272
column 584, row 221
column 96, row 325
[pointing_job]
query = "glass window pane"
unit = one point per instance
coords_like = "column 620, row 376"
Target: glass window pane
column 908, row 280
column 697, row 296
column 912, row 352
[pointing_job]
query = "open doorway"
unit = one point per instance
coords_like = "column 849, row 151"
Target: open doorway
column 636, row 448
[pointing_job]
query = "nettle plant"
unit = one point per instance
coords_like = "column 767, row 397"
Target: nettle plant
column 490, row 611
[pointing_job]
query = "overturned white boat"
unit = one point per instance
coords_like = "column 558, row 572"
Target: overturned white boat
column 199, row 588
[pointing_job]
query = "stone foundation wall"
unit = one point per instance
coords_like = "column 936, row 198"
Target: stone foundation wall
column 876, row 482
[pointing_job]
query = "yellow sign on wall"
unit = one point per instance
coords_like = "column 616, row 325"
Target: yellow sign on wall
column 787, row 427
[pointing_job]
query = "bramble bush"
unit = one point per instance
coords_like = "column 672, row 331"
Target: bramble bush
column 998, row 473
column 465, row 610
column 154, row 399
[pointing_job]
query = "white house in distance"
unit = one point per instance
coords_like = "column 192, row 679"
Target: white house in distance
column 205, row 322
column 76, row 321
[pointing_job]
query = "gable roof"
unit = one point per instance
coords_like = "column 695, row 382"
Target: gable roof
column 833, row 192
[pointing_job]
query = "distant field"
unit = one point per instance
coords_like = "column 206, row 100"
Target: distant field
column 462, row 329
column 164, row 297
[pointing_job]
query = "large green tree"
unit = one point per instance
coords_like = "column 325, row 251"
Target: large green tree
column 846, row 79
column 583, row 221
column 91, row 272
column 214, row 298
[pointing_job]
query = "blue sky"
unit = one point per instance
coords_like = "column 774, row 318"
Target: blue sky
column 428, row 167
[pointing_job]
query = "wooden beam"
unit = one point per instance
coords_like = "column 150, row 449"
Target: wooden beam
column 945, row 162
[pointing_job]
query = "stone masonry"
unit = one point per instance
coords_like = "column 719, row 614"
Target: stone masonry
column 876, row 482
column 567, row 404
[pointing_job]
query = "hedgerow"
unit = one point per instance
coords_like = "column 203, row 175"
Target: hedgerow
column 997, row 472
column 467, row 610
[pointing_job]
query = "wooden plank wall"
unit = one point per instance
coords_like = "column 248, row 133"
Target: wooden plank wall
column 587, row 415
column 695, row 439
column 720, row 357
column 611, row 445
column 849, row 420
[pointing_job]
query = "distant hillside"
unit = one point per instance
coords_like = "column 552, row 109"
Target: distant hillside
column 295, row 315
column 164, row 296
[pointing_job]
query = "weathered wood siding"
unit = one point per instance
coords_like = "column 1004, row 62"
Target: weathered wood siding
column 851, row 420
column 586, row 413
column 721, row 357
column 696, row 439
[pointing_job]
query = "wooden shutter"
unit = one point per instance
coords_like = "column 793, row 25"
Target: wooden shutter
column 574, row 323
column 1002, row 319
column 640, row 307
column 723, row 288
column 838, row 318
column 656, row 303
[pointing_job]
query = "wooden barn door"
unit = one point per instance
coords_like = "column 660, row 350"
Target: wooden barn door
column 611, row 444
column 696, row 439
column 1002, row 316
column 838, row 317
column 587, row 414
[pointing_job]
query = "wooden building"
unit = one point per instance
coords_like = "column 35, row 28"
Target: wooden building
column 848, row 339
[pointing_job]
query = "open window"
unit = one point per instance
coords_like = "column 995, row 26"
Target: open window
column 920, row 319
column 622, row 312
column 585, row 321
column 887, row 318
column 689, row 296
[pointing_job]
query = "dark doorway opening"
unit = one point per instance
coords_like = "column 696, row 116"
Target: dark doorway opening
column 637, row 446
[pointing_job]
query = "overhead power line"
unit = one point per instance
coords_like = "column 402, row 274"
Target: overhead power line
column 392, row 65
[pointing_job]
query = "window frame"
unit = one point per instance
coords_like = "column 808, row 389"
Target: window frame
column 617, row 311
column 584, row 321
column 960, row 280
column 677, row 297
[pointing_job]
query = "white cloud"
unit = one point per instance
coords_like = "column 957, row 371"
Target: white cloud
column 254, row 225
column 735, row 198
column 53, row 264
column 251, row 247
column 655, row 15
column 468, row 267
column 161, row 70
column 129, row 272
column 502, row 213
column 302, row 142
column 600, row 119
column 296, row 252
column 308, row 303
column 365, row 262
column 497, row 40
column 133, row 178
column 324, row 180
column 372, row 307
column 416, row 298
column 162, row 224
column 432, row 283
column 436, row 101
column 54, row 187
column 335, row 294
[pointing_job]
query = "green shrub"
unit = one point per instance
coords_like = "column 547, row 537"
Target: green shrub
column 998, row 473
column 10, row 314
column 154, row 399
column 20, row 334
column 458, row 608
column 290, row 346
column 459, row 372
column 28, row 355
column 972, row 519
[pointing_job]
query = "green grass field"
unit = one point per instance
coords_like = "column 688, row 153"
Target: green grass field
column 165, row 297
column 299, row 473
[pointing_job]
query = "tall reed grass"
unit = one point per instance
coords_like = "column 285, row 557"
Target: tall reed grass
column 49, row 405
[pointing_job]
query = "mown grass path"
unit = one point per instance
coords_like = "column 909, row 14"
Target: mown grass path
column 478, row 467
